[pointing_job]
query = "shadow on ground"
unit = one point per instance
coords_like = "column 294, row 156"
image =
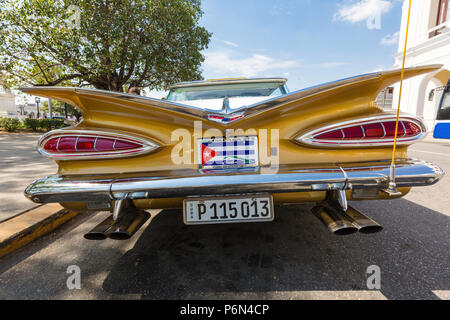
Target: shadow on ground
column 295, row 252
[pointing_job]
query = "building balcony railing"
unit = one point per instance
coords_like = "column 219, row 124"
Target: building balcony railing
column 440, row 29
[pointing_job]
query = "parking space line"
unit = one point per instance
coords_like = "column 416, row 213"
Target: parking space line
column 442, row 294
column 430, row 152
column 298, row 295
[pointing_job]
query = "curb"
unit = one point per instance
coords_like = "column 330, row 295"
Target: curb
column 30, row 225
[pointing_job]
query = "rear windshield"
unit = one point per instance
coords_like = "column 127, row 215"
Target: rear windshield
column 227, row 91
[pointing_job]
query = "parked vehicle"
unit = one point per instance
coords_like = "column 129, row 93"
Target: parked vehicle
column 228, row 150
column 442, row 126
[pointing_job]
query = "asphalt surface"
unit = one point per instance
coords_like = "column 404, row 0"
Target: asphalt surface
column 294, row 257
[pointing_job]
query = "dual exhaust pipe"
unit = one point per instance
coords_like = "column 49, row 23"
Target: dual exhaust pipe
column 121, row 227
column 342, row 222
column 127, row 220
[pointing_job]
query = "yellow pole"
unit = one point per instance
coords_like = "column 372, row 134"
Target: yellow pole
column 392, row 186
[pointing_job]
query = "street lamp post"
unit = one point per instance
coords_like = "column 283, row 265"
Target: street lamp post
column 50, row 111
column 37, row 106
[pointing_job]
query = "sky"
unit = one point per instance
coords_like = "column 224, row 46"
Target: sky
column 307, row 41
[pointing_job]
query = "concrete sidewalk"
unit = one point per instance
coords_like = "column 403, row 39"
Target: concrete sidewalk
column 20, row 164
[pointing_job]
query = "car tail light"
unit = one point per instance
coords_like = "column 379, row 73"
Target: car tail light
column 366, row 132
column 84, row 144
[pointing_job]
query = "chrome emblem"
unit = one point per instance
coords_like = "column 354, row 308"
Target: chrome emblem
column 225, row 119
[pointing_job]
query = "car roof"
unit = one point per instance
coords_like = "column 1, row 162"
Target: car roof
column 210, row 82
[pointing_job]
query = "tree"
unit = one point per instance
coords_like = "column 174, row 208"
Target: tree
column 61, row 108
column 57, row 107
column 108, row 44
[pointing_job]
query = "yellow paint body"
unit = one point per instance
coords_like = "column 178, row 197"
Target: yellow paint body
column 131, row 116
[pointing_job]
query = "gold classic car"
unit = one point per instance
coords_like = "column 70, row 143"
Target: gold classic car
column 227, row 150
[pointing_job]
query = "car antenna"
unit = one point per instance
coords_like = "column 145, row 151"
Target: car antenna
column 392, row 189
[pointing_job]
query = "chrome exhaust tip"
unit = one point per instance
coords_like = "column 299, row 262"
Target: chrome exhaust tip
column 99, row 231
column 363, row 222
column 127, row 225
column 335, row 222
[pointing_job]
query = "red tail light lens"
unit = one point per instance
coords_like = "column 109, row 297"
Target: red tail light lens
column 65, row 145
column 364, row 132
column 85, row 144
column 356, row 132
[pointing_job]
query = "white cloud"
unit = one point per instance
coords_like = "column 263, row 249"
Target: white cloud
column 378, row 68
column 227, row 63
column 232, row 44
column 390, row 39
column 362, row 10
column 330, row 65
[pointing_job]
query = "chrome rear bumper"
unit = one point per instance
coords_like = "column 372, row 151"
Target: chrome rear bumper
column 185, row 183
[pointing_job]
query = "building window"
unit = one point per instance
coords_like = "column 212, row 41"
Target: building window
column 442, row 15
column 385, row 97
column 442, row 12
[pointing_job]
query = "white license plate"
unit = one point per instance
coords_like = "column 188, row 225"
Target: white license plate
column 228, row 210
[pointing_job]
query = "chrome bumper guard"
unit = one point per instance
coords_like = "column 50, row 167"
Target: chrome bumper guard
column 184, row 183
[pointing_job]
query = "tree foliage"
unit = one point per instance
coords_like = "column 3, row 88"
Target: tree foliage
column 108, row 44
column 60, row 107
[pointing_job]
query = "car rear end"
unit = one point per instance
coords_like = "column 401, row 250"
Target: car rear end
column 230, row 163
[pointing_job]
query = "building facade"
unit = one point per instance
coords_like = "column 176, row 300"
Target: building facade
column 428, row 43
column 7, row 104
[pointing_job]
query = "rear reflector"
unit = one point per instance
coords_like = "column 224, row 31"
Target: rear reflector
column 366, row 132
column 83, row 144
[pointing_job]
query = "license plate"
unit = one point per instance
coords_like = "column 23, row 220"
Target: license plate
column 229, row 152
column 228, row 210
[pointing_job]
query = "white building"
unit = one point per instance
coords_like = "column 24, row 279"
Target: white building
column 7, row 104
column 428, row 43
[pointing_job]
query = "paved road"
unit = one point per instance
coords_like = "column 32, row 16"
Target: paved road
column 20, row 164
column 294, row 257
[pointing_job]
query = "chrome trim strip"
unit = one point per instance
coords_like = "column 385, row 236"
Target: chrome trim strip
column 42, row 144
column 308, row 138
column 148, row 146
column 404, row 128
column 201, row 83
column 95, row 143
column 346, row 186
column 76, row 143
column 184, row 183
column 384, row 129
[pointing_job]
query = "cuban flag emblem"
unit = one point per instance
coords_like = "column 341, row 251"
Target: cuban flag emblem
column 207, row 154
column 231, row 152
